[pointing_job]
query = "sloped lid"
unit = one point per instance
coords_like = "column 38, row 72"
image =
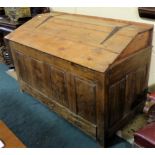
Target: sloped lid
column 88, row 41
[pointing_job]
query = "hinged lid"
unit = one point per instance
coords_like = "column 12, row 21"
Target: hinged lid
column 88, row 41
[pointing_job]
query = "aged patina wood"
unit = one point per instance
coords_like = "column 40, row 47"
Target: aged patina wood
column 92, row 71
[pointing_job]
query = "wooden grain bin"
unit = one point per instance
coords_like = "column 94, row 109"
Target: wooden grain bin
column 92, row 71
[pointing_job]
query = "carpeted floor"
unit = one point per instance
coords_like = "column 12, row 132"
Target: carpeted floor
column 36, row 125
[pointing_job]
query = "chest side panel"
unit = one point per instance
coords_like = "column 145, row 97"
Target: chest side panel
column 128, row 81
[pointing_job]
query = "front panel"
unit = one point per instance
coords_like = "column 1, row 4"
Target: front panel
column 57, row 84
column 86, row 99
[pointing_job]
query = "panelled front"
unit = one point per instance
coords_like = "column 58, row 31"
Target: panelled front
column 53, row 82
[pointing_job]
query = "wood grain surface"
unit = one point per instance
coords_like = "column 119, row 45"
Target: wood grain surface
column 92, row 71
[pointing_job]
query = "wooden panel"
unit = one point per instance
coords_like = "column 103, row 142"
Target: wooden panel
column 37, row 69
column 86, row 126
column 140, row 80
column 49, row 81
column 89, row 36
column 71, row 92
column 139, row 42
column 116, row 101
column 24, row 67
column 117, row 43
column 33, row 72
column 41, row 76
column 135, row 87
column 130, row 91
column 101, row 99
column 125, row 120
column 86, row 26
column 129, row 64
column 91, row 20
column 124, row 95
column 58, row 86
column 21, row 69
column 86, row 99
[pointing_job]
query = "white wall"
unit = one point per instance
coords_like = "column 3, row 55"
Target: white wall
column 117, row 13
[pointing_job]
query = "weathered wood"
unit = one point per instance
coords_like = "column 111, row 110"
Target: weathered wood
column 83, row 124
column 141, row 41
column 91, row 71
column 127, row 88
